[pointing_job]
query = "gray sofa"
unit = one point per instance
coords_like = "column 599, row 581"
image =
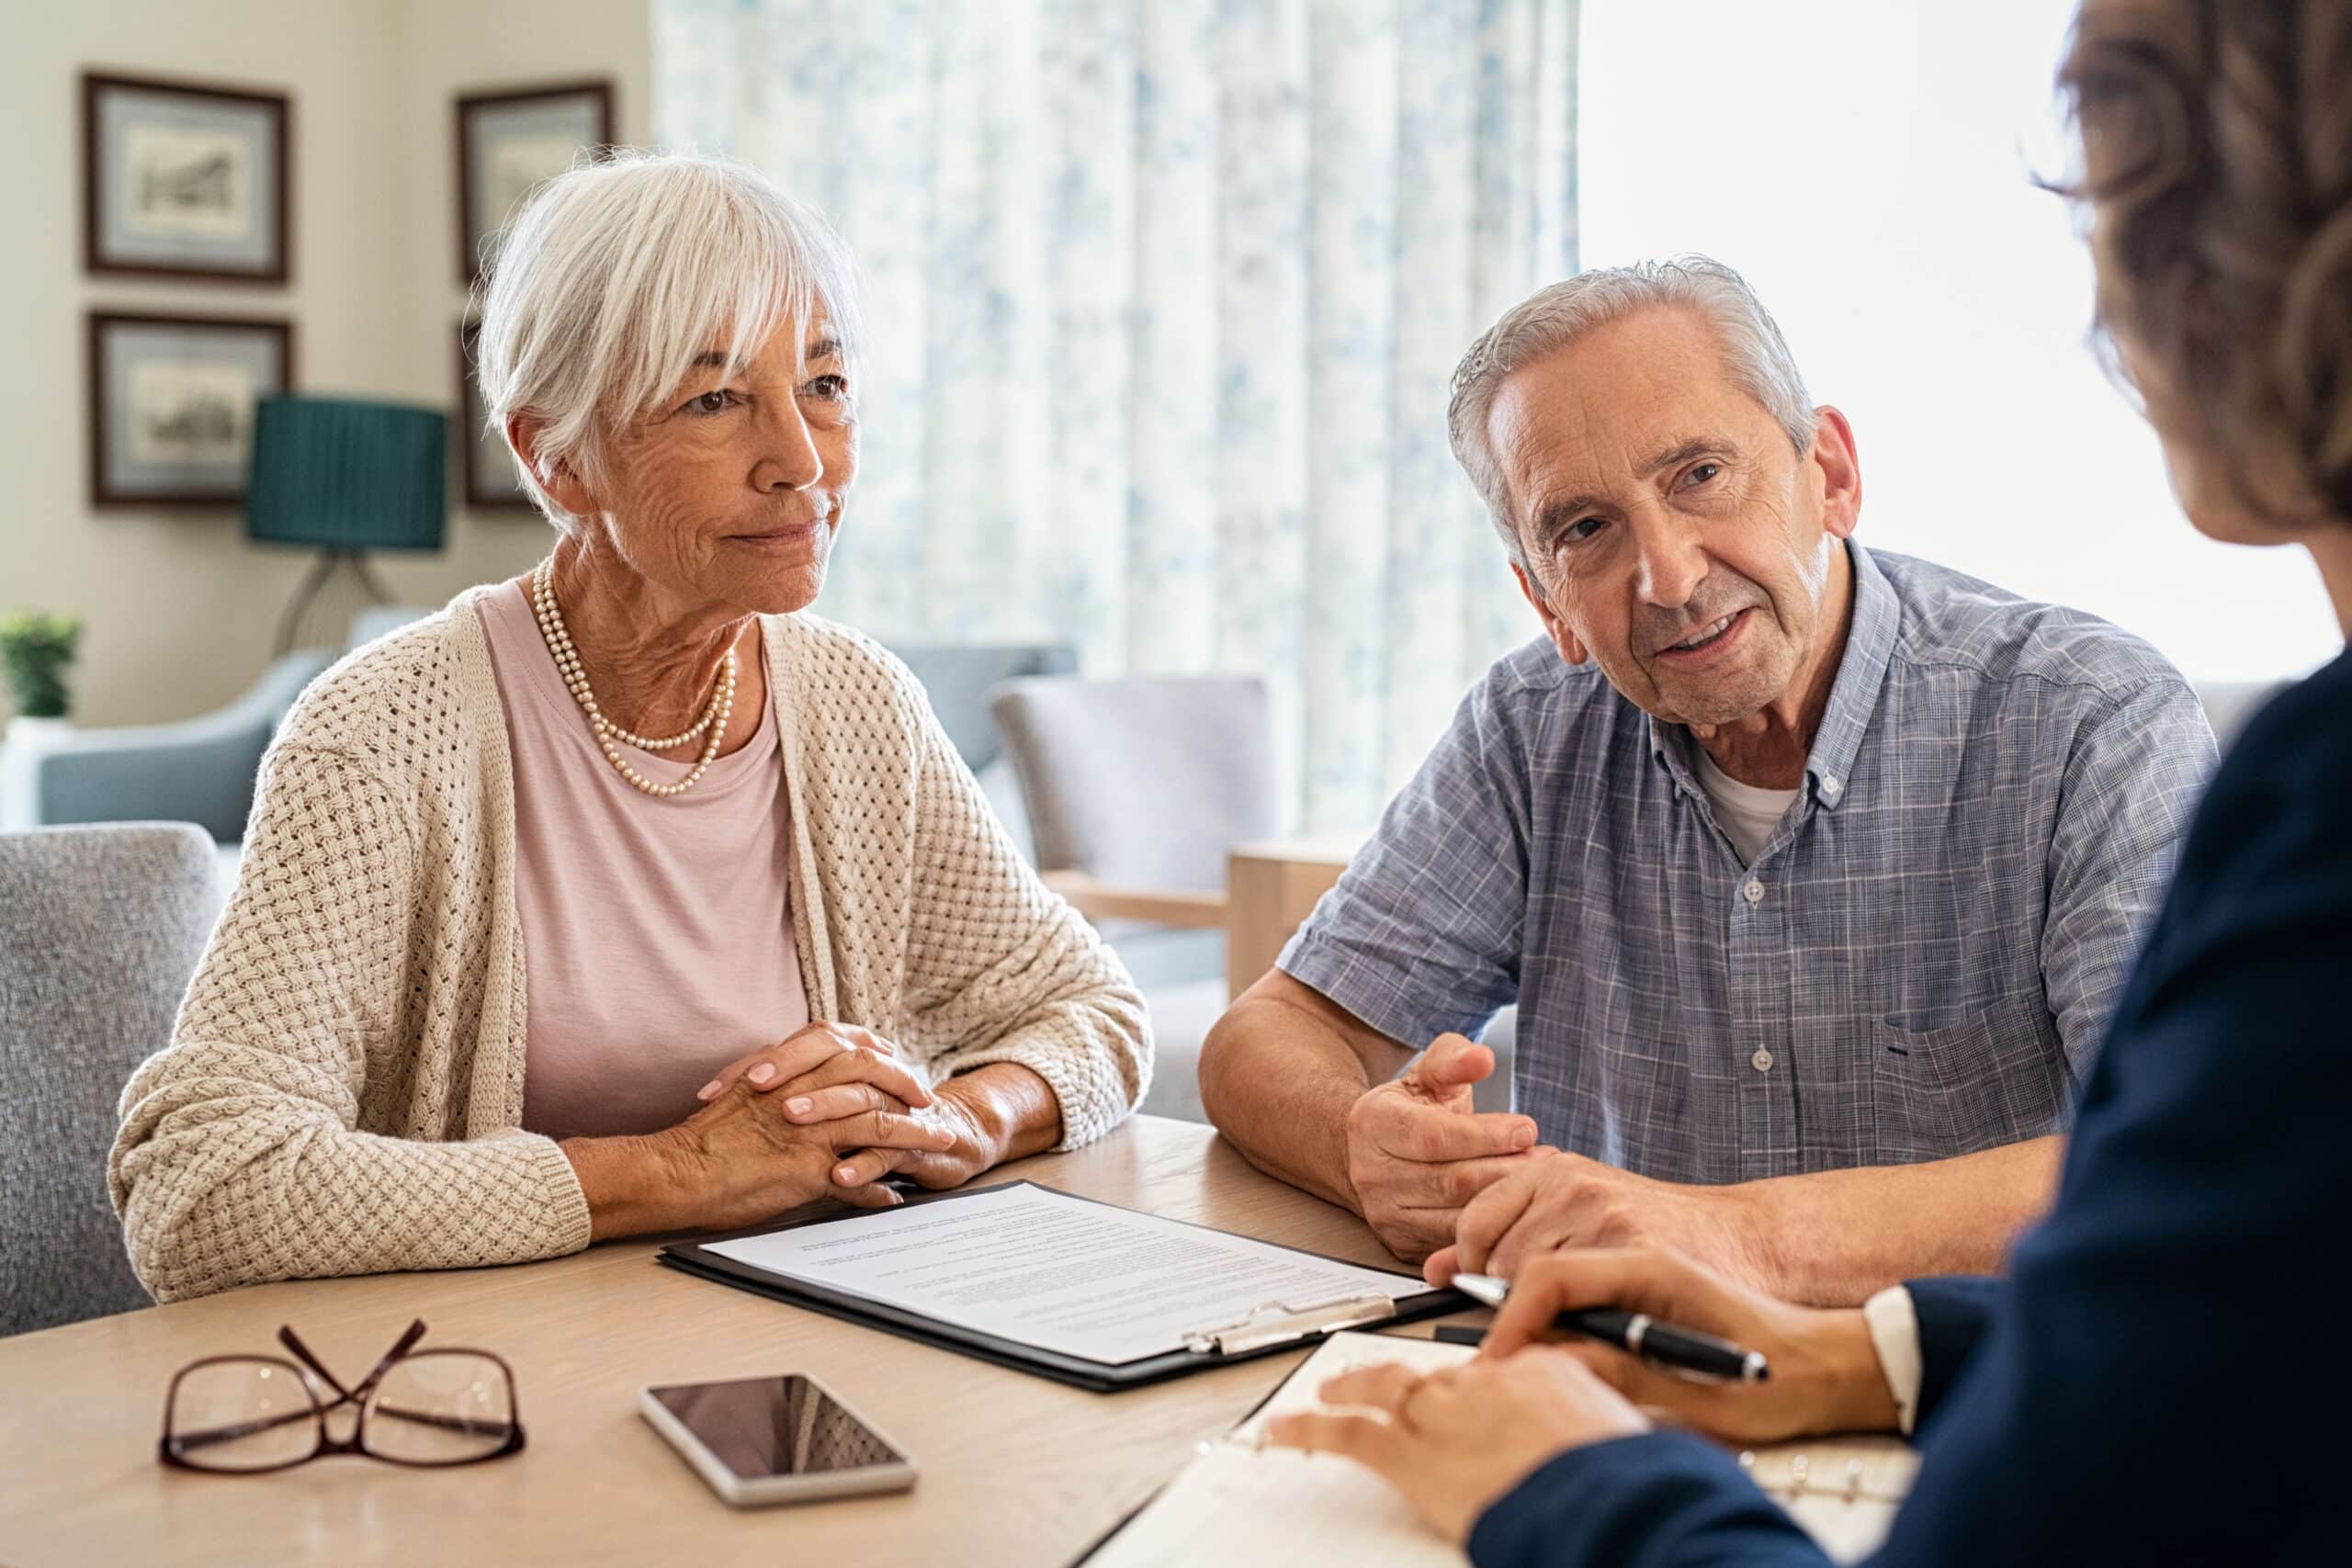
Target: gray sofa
column 198, row 769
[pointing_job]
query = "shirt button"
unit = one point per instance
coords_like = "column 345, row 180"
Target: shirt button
column 1829, row 785
column 1761, row 1061
column 1753, row 892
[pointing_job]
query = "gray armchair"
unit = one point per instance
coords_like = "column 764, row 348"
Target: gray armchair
column 100, row 929
column 1135, row 789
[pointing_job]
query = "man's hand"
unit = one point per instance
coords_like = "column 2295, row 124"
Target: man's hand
column 1566, row 1201
column 1418, row 1152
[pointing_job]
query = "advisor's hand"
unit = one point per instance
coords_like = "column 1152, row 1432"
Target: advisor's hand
column 1453, row 1441
column 1418, row 1151
column 1826, row 1376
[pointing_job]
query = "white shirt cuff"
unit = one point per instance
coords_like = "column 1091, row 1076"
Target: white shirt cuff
column 1894, row 1335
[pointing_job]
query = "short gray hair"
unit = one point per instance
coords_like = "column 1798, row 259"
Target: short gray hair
column 1558, row 314
column 617, row 274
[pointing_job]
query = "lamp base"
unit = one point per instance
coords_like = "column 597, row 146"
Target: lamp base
column 313, row 581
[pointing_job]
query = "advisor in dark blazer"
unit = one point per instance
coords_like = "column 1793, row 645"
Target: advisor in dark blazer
column 2165, row 1375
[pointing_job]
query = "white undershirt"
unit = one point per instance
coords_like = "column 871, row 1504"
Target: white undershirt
column 1893, row 1323
column 1747, row 813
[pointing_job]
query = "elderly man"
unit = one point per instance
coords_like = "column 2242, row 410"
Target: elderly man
column 1815, row 875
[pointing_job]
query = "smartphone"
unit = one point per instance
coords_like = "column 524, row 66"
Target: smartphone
column 782, row 1440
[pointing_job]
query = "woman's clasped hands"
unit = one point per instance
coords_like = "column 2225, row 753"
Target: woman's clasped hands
column 842, row 1087
column 826, row 1113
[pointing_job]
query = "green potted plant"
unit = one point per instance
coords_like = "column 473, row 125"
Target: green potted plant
column 35, row 651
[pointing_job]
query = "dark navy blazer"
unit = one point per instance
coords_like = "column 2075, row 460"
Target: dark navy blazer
column 2166, row 1375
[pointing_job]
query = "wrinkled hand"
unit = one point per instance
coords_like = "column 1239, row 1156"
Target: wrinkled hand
column 832, row 1069
column 750, row 1154
column 1566, row 1201
column 976, row 1146
column 1453, row 1441
column 1826, row 1374
column 1418, row 1151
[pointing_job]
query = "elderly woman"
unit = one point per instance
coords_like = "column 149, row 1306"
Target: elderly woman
column 2154, row 1382
column 626, row 895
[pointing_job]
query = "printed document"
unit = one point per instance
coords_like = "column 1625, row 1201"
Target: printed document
column 1042, row 1269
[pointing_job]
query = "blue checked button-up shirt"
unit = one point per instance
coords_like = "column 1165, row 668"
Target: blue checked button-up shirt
column 1919, row 963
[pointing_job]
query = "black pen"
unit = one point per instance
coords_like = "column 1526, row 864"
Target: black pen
column 1683, row 1348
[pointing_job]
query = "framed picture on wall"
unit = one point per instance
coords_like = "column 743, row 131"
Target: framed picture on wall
column 509, row 141
column 490, row 476
column 184, row 180
column 172, row 404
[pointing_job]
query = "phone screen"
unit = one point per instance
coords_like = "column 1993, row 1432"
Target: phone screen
column 761, row 1427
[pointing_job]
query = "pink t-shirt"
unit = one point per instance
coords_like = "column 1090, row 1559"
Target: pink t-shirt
column 656, row 931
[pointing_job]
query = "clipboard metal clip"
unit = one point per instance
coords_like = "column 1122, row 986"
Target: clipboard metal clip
column 1277, row 1322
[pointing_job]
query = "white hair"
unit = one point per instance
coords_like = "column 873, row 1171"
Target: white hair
column 1558, row 314
column 617, row 274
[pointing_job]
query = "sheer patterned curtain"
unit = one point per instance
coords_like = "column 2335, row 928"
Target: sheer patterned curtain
column 1163, row 296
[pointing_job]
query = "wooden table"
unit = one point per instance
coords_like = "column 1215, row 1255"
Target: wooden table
column 1269, row 889
column 1015, row 1470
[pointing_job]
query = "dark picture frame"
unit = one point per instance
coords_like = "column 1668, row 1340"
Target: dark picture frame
column 489, row 477
column 182, row 435
column 509, row 139
column 186, row 179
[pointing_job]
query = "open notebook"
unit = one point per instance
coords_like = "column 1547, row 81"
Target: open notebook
column 1239, row 1504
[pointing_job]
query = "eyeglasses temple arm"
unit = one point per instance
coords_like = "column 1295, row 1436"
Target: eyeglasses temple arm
column 206, row 1438
column 446, row 1423
column 399, row 1348
column 286, row 1336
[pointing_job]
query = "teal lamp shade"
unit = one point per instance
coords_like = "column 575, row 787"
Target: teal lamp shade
column 347, row 476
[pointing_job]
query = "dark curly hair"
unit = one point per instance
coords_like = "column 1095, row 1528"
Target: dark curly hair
column 2217, row 167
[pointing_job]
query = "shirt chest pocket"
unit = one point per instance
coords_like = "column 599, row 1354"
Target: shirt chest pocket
column 1954, row 1085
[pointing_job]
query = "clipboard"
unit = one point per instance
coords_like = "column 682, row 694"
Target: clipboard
column 1271, row 1328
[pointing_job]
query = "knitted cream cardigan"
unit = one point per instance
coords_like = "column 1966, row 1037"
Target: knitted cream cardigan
column 344, row 1090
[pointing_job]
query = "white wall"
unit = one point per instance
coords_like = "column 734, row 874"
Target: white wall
column 179, row 610
column 1867, row 164
column 443, row 48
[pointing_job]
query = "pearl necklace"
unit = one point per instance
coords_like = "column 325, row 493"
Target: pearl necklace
column 610, row 734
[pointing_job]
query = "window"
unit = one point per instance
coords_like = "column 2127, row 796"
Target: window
column 1868, row 164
